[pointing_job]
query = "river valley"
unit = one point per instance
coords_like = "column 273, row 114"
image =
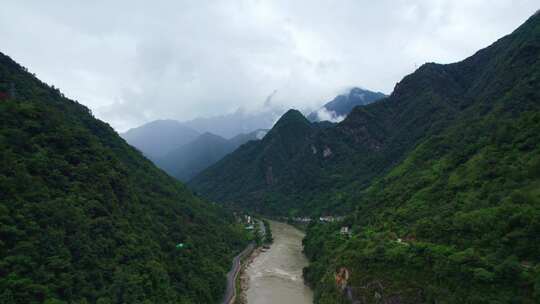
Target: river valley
column 275, row 276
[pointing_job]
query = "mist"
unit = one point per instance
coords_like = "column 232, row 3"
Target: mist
column 132, row 62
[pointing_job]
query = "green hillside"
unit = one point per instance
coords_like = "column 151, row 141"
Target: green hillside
column 439, row 181
column 85, row 218
column 332, row 165
column 458, row 220
column 257, row 174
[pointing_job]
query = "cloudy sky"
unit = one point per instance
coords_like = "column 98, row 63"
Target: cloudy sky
column 135, row 61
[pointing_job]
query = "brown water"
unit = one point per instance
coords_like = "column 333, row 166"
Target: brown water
column 275, row 276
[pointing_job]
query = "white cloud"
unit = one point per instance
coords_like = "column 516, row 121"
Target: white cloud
column 324, row 115
column 135, row 61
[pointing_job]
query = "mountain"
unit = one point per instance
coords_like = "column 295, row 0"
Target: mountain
column 160, row 140
column 332, row 163
column 85, row 218
column 238, row 122
column 439, row 184
column 188, row 160
column 243, row 138
column 258, row 166
column 157, row 138
column 342, row 105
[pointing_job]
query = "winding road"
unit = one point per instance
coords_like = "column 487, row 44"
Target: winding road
column 230, row 292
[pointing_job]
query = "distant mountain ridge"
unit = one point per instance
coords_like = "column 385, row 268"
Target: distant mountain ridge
column 184, row 149
column 342, row 105
column 239, row 122
column 188, row 160
column 157, row 138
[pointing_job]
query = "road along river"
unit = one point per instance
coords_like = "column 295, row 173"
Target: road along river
column 275, row 276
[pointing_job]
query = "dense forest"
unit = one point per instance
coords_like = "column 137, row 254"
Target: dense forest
column 85, row 218
column 458, row 220
column 439, row 184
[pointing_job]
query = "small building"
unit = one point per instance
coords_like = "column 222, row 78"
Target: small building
column 327, row 219
column 302, row 219
column 331, row 219
column 345, row 230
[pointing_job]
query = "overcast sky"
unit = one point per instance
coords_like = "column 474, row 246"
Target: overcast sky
column 132, row 61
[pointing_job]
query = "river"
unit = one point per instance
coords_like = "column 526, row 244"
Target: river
column 275, row 276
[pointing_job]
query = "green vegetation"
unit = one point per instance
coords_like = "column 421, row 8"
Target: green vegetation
column 85, row 218
column 469, row 224
column 268, row 238
column 257, row 236
column 314, row 169
column 458, row 220
column 251, row 175
column 439, row 183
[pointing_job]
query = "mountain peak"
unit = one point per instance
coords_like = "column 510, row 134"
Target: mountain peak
column 292, row 119
column 293, row 114
column 339, row 107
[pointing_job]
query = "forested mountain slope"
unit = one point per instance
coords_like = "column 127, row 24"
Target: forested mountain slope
column 458, row 220
column 332, row 165
column 245, row 175
column 85, row 218
column 157, row 138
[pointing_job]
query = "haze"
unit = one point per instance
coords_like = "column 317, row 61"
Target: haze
column 132, row 62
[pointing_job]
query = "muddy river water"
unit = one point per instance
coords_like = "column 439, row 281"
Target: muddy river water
column 275, row 276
